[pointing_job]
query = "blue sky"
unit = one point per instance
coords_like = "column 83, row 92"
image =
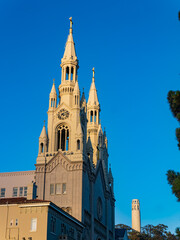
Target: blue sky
column 135, row 49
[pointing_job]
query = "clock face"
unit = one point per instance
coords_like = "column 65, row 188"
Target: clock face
column 63, row 114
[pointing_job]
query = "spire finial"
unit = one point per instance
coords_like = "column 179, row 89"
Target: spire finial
column 93, row 73
column 44, row 122
column 71, row 23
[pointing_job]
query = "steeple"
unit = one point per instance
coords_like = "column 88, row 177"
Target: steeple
column 69, row 53
column 53, row 96
column 93, row 99
column 69, row 65
column 93, row 107
column 76, row 94
column 93, row 110
column 43, row 141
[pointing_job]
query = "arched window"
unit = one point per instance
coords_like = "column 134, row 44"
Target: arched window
column 72, row 70
column 41, row 148
column 52, row 102
column 62, row 135
column 67, row 73
column 78, row 144
column 91, row 116
column 95, row 113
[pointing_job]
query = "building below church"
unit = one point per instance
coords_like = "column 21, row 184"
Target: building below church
column 71, row 170
column 23, row 219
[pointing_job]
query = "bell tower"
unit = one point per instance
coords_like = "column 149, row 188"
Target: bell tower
column 69, row 65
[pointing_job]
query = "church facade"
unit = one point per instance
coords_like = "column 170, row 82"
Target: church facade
column 72, row 164
column 71, row 171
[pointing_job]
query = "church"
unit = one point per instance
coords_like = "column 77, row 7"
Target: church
column 71, row 169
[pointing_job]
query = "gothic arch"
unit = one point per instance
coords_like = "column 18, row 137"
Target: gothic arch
column 62, row 137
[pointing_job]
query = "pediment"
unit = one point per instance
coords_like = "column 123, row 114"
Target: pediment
column 61, row 160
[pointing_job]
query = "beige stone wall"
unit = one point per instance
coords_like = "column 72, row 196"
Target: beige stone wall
column 62, row 171
column 9, row 229
column 15, row 179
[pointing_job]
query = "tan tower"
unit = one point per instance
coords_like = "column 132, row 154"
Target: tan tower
column 136, row 218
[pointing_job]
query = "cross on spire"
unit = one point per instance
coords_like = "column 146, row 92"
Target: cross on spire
column 71, row 23
column 93, row 72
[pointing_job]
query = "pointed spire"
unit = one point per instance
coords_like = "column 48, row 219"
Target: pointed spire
column 70, row 53
column 43, row 132
column 93, row 99
column 76, row 89
column 53, row 89
column 100, row 132
column 83, row 99
column 110, row 172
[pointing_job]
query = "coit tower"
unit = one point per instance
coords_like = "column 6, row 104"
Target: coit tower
column 136, row 218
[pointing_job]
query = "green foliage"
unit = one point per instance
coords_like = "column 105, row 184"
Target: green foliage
column 174, row 102
column 178, row 232
column 172, row 176
column 150, row 232
column 174, row 180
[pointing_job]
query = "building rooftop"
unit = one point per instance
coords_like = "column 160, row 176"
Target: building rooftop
column 21, row 200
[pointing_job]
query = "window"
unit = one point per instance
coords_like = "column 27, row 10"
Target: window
column 16, row 223
column 64, row 188
column 41, row 148
column 15, row 191
column 91, row 117
column 67, row 73
column 52, row 102
column 78, row 144
column 51, row 189
column 25, row 191
column 71, row 73
column 58, row 188
column 11, row 222
column 21, row 191
column 63, row 228
column 62, row 137
column 33, row 224
column 95, row 116
column 2, row 193
column 53, row 224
